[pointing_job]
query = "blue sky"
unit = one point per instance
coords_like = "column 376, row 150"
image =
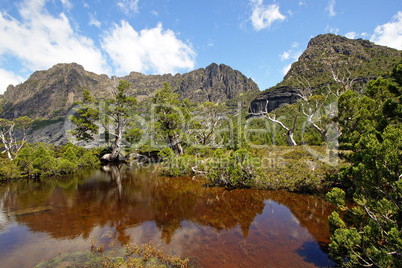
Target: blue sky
column 260, row 38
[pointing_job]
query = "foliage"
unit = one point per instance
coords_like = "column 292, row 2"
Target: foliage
column 85, row 119
column 296, row 169
column 169, row 115
column 65, row 166
column 114, row 116
column 207, row 118
column 134, row 135
column 236, row 171
column 369, row 233
column 174, row 166
column 7, row 170
column 133, row 255
column 148, row 252
column 10, row 130
column 41, row 160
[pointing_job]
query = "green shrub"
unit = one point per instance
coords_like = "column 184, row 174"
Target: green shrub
column 88, row 160
column 42, row 162
column 65, row 167
column 9, row 171
column 70, row 156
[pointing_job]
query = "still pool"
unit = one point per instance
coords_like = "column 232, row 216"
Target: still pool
column 213, row 227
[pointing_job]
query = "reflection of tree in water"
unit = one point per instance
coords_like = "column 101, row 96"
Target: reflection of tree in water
column 123, row 198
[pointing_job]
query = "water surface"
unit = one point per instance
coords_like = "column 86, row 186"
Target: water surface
column 214, row 227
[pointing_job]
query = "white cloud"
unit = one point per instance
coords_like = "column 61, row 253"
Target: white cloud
column 330, row 29
column 150, row 50
column 331, row 8
column 292, row 55
column 352, row 35
column 285, row 56
column 301, row 3
column 93, row 21
column 128, row 7
column 264, row 15
column 8, row 78
column 286, row 69
column 67, row 4
column 389, row 34
column 155, row 13
column 40, row 40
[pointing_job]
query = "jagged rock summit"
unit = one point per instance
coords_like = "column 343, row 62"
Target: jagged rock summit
column 52, row 93
column 361, row 59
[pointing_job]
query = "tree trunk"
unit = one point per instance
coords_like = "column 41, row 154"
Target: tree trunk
column 292, row 142
column 116, row 146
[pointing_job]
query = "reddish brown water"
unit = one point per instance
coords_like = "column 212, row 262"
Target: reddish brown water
column 212, row 226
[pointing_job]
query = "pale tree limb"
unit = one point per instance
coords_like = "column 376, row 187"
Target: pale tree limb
column 289, row 131
column 7, row 134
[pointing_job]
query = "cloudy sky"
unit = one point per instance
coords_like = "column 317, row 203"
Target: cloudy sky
column 260, row 38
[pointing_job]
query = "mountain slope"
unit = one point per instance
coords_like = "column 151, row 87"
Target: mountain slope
column 358, row 59
column 51, row 93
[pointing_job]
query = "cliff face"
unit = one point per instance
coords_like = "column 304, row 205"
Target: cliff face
column 271, row 100
column 215, row 84
column 360, row 59
column 52, row 93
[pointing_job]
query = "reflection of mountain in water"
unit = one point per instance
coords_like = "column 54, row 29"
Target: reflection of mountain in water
column 124, row 198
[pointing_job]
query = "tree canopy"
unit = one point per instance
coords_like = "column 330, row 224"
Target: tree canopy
column 113, row 115
column 369, row 234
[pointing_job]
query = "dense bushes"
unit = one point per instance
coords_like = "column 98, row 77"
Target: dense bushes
column 290, row 168
column 369, row 234
column 40, row 160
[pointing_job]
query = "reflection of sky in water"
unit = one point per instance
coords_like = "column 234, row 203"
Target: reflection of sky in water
column 217, row 227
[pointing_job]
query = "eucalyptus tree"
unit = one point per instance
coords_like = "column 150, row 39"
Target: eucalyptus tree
column 271, row 116
column 207, row 119
column 13, row 134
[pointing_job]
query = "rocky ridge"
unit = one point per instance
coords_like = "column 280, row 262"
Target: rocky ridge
column 52, row 93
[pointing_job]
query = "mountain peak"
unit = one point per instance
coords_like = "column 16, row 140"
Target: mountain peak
column 327, row 53
column 361, row 57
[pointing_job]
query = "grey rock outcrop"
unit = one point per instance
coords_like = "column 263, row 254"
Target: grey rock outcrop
column 216, row 83
column 277, row 98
